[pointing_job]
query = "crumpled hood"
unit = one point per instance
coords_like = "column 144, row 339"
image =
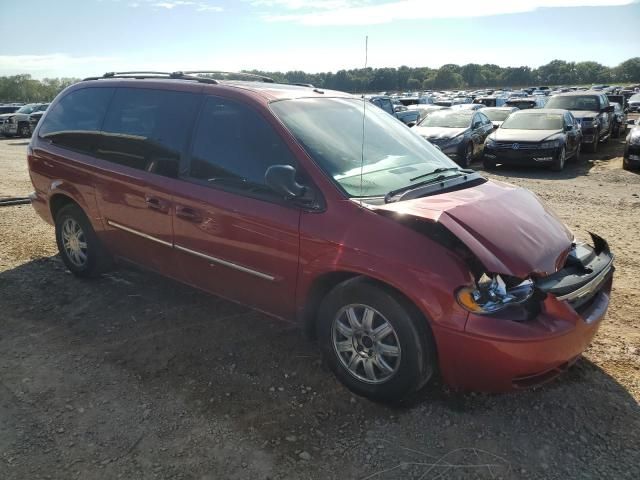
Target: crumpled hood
column 580, row 114
column 438, row 133
column 506, row 227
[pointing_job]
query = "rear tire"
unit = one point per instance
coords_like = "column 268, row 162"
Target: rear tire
column 376, row 345
column 79, row 246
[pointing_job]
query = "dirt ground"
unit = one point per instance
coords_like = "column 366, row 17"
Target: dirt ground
column 132, row 376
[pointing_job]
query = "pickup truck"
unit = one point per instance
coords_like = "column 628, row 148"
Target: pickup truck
column 594, row 112
column 402, row 113
column 17, row 123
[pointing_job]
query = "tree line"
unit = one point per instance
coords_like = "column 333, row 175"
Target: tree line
column 24, row 88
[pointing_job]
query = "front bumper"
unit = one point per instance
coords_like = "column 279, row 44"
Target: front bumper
column 632, row 156
column 521, row 157
column 499, row 353
column 9, row 128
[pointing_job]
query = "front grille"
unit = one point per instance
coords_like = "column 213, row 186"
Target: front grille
column 516, row 146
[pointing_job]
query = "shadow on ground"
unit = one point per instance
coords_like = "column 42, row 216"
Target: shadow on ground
column 135, row 376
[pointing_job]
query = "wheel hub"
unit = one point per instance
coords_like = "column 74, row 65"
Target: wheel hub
column 366, row 344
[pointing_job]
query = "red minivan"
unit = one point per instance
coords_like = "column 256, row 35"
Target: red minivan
column 313, row 206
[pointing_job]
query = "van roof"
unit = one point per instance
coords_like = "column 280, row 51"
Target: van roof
column 266, row 89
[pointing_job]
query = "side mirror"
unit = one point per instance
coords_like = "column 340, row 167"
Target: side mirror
column 282, row 179
column 608, row 109
column 568, row 128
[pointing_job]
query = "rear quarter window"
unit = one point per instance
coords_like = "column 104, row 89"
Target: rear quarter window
column 75, row 120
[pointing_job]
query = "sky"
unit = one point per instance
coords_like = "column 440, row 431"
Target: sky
column 79, row 38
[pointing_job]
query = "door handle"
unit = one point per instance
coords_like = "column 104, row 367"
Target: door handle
column 157, row 204
column 189, row 214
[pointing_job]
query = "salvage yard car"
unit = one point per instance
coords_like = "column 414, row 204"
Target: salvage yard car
column 402, row 113
column 497, row 115
column 543, row 137
column 304, row 204
column 17, row 123
column 631, row 156
column 592, row 110
column 459, row 133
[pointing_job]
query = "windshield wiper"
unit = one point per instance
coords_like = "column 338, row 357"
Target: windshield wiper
column 439, row 178
column 437, row 170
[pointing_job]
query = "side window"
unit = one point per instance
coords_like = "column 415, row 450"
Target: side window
column 233, row 144
column 485, row 120
column 147, row 129
column 74, row 122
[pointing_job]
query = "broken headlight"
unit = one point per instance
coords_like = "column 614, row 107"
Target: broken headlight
column 491, row 294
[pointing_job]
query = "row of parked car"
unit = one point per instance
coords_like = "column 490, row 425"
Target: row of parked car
column 545, row 130
column 19, row 120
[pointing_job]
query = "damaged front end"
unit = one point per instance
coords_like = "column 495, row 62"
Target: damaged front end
column 586, row 270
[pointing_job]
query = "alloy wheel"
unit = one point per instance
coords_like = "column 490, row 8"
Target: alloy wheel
column 74, row 242
column 366, row 344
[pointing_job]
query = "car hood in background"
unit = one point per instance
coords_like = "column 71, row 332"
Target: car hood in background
column 516, row 135
column 579, row 114
column 506, row 227
column 438, row 132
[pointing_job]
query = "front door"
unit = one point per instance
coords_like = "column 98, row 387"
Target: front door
column 233, row 236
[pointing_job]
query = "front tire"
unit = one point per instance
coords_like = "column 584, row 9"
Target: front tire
column 79, row 246
column 558, row 163
column 468, row 155
column 593, row 148
column 24, row 130
column 376, row 344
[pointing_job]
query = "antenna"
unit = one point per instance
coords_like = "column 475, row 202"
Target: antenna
column 364, row 116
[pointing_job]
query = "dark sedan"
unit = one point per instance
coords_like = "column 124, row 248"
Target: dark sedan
column 541, row 136
column 631, row 158
column 459, row 133
column 497, row 115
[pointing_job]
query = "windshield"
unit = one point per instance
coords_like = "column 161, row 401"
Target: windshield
column 496, row 115
column 331, row 131
column 574, row 102
column 536, row 121
column 26, row 109
column 448, row 119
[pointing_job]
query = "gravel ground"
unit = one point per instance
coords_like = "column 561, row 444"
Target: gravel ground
column 134, row 376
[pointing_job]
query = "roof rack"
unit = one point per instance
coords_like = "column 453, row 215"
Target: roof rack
column 254, row 76
column 151, row 74
column 180, row 75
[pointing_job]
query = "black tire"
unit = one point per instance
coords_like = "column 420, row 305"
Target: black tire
column 593, row 147
column 414, row 365
column 467, row 159
column 561, row 159
column 488, row 164
column 96, row 260
column 24, row 130
column 576, row 156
